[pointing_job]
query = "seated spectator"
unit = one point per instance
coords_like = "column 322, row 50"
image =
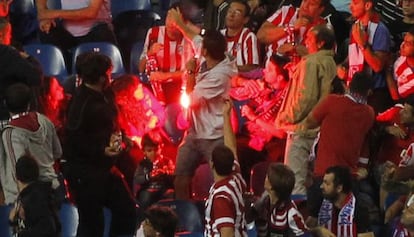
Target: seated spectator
column 405, row 225
column 398, row 28
column 265, row 98
column 159, row 222
column 404, row 66
column 154, row 174
column 275, row 213
column 27, row 132
column 241, row 42
column 34, row 213
column 340, row 213
column 53, row 103
column 81, row 22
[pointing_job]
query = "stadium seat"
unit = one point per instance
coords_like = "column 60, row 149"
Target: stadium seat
column 105, row 48
column 170, row 129
column 238, row 104
column 23, row 17
column 50, row 58
column 188, row 215
column 118, row 6
column 69, row 218
column 131, row 27
column 201, row 183
column 136, row 51
column 257, row 178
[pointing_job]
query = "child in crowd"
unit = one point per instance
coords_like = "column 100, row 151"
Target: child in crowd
column 153, row 176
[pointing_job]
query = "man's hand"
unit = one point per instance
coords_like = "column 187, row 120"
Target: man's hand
column 285, row 48
column 158, row 76
column 361, row 173
column 176, row 17
column 396, row 131
column 155, row 48
column 191, row 65
column 46, row 25
column 359, row 34
column 4, row 7
column 247, row 112
column 301, row 22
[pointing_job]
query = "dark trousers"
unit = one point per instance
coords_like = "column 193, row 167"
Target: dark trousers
column 96, row 189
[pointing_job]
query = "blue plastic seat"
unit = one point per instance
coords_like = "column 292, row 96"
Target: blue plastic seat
column 136, row 52
column 105, row 48
column 50, row 58
column 118, row 6
column 188, row 215
column 5, row 230
column 170, row 129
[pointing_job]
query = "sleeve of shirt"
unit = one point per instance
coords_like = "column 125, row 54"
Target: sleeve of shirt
column 382, row 39
column 362, row 219
column 275, row 19
column 209, row 87
column 296, row 222
column 251, row 49
column 223, row 212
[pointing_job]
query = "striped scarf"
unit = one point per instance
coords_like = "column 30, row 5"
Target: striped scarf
column 345, row 226
column 405, row 77
column 355, row 54
column 400, row 231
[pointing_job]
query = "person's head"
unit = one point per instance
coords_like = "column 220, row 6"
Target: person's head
column 172, row 31
column 125, row 86
column 17, row 98
column 214, row 45
column 27, row 169
column 222, row 160
column 94, row 68
column 361, row 83
column 319, row 37
column 361, row 8
column 336, row 181
column 237, row 14
column 160, row 221
column 274, row 73
column 408, row 8
column 149, row 146
column 407, row 217
column 279, row 181
column 5, row 31
column 407, row 46
column 312, row 9
column 407, row 113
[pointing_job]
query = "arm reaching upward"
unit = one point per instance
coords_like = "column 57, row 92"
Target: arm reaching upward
column 229, row 137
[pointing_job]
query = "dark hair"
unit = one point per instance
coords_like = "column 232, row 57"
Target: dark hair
column 342, row 176
column 215, row 44
column 27, row 169
column 18, row 97
column 125, row 85
column 244, row 3
column 361, row 83
column 147, row 141
column 282, row 180
column 163, row 219
column 411, row 31
column 223, row 159
column 280, row 62
column 325, row 3
column 91, row 66
column 325, row 34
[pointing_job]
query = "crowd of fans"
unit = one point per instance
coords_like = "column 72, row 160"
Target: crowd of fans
column 324, row 92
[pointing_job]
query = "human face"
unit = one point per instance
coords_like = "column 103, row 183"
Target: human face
column 406, row 114
column 236, row 16
column 149, row 231
column 408, row 8
column 172, row 31
column 273, row 77
column 150, row 152
column 310, row 8
column 311, row 42
column 359, row 8
column 407, row 46
column 329, row 190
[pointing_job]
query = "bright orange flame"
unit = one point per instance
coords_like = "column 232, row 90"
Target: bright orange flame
column 185, row 100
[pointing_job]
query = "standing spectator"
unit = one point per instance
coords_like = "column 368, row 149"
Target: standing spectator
column 339, row 117
column 225, row 210
column 27, row 133
column 34, row 213
column 310, row 83
column 207, row 85
column 341, row 213
column 215, row 14
column 92, row 144
column 369, row 46
column 276, row 213
column 81, row 21
column 288, row 26
column 241, row 42
column 403, row 66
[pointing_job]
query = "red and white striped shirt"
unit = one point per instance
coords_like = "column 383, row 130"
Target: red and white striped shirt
column 225, row 206
column 287, row 15
column 404, row 75
column 243, row 47
column 174, row 54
